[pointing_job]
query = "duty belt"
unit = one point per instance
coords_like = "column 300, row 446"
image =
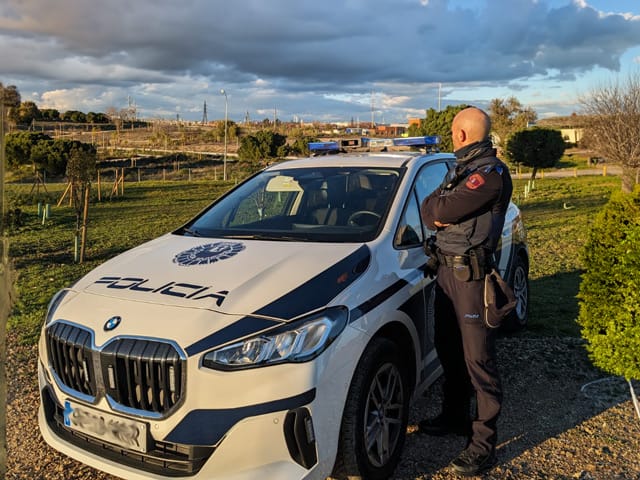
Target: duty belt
column 452, row 260
column 478, row 260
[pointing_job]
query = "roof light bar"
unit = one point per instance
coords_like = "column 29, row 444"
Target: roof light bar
column 427, row 141
column 323, row 146
column 377, row 142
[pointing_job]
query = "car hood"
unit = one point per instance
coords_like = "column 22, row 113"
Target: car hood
column 241, row 277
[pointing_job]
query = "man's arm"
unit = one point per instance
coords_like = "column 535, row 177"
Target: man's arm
column 473, row 197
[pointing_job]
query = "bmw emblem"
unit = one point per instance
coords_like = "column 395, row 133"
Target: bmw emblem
column 112, row 323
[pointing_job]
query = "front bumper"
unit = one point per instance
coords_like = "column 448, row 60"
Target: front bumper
column 228, row 426
column 252, row 449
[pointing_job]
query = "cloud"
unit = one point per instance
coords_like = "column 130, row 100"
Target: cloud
column 167, row 52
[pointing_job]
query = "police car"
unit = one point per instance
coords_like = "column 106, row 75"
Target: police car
column 280, row 334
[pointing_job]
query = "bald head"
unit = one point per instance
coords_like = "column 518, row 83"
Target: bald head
column 469, row 126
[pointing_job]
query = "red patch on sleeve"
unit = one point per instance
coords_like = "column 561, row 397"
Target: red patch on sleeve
column 474, row 181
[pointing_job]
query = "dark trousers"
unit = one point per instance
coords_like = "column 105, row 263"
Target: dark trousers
column 467, row 352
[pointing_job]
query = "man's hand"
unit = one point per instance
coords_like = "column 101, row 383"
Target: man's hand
column 440, row 225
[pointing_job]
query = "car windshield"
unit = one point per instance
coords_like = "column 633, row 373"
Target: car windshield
column 332, row 204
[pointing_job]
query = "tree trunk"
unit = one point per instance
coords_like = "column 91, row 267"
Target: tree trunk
column 85, row 214
column 533, row 173
column 628, row 178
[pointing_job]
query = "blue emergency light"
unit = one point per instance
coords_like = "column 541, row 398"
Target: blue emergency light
column 427, row 141
column 323, row 146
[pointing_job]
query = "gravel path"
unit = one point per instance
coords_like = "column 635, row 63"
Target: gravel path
column 562, row 420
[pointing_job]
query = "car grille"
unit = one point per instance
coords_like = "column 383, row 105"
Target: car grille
column 71, row 357
column 140, row 374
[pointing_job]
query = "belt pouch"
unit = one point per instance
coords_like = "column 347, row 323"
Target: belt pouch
column 461, row 270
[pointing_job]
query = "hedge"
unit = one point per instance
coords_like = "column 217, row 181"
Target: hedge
column 610, row 289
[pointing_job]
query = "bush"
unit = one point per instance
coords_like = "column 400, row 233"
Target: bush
column 263, row 145
column 609, row 292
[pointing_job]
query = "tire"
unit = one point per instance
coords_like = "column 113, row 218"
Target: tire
column 376, row 412
column 519, row 282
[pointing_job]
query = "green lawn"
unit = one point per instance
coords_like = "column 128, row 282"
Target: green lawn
column 557, row 214
column 43, row 254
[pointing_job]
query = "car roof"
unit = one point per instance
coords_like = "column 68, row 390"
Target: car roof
column 373, row 160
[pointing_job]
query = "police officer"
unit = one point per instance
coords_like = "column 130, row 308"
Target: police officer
column 468, row 213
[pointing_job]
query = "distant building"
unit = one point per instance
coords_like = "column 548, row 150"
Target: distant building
column 572, row 135
column 391, row 130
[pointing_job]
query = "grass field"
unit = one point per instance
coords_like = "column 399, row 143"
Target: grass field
column 557, row 214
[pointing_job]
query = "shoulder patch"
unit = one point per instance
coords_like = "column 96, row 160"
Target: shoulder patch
column 474, row 181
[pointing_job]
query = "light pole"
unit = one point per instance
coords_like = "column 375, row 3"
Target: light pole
column 226, row 108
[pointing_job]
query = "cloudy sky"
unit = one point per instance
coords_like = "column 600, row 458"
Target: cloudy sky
column 329, row 60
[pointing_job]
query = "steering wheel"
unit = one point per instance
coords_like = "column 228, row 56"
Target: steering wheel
column 373, row 217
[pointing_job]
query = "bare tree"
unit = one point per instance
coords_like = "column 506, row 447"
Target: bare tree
column 613, row 128
column 81, row 168
column 507, row 117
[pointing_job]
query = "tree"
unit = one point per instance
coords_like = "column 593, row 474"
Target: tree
column 507, row 117
column 50, row 114
column 54, row 155
column 300, row 145
column 613, row 127
column 264, row 144
column 81, row 168
column 536, row 148
column 93, row 117
column 74, row 116
column 42, row 152
column 19, row 146
column 438, row 123
column 10, row 98
column 26, row 113
column 232, row 130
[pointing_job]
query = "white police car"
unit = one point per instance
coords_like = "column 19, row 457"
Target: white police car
column 280, row 334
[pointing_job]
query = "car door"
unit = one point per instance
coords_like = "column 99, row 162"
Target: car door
column 409, row 239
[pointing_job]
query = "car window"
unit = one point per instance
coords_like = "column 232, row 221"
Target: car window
column 410, row 230
column 429, row 178
column 409, row 233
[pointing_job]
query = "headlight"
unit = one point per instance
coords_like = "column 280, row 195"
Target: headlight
column 299, row 341
column 53, row 305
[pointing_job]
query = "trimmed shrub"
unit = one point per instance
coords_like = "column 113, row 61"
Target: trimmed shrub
column 536, row 148
column 610, row 289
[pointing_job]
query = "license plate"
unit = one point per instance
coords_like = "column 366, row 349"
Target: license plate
column 114, row 429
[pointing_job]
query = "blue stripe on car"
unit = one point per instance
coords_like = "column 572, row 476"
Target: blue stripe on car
column 208, row 427
column 321, row 289
column 311, row 295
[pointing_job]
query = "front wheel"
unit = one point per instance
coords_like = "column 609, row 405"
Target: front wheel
column 375, row 417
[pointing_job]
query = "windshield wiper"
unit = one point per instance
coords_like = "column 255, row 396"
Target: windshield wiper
column 265, row 236
column 193, row 233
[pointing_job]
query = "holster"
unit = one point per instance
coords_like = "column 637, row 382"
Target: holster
column 430, row 250
column 477, row 264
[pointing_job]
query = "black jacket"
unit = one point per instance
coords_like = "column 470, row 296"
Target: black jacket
column 473, row 202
